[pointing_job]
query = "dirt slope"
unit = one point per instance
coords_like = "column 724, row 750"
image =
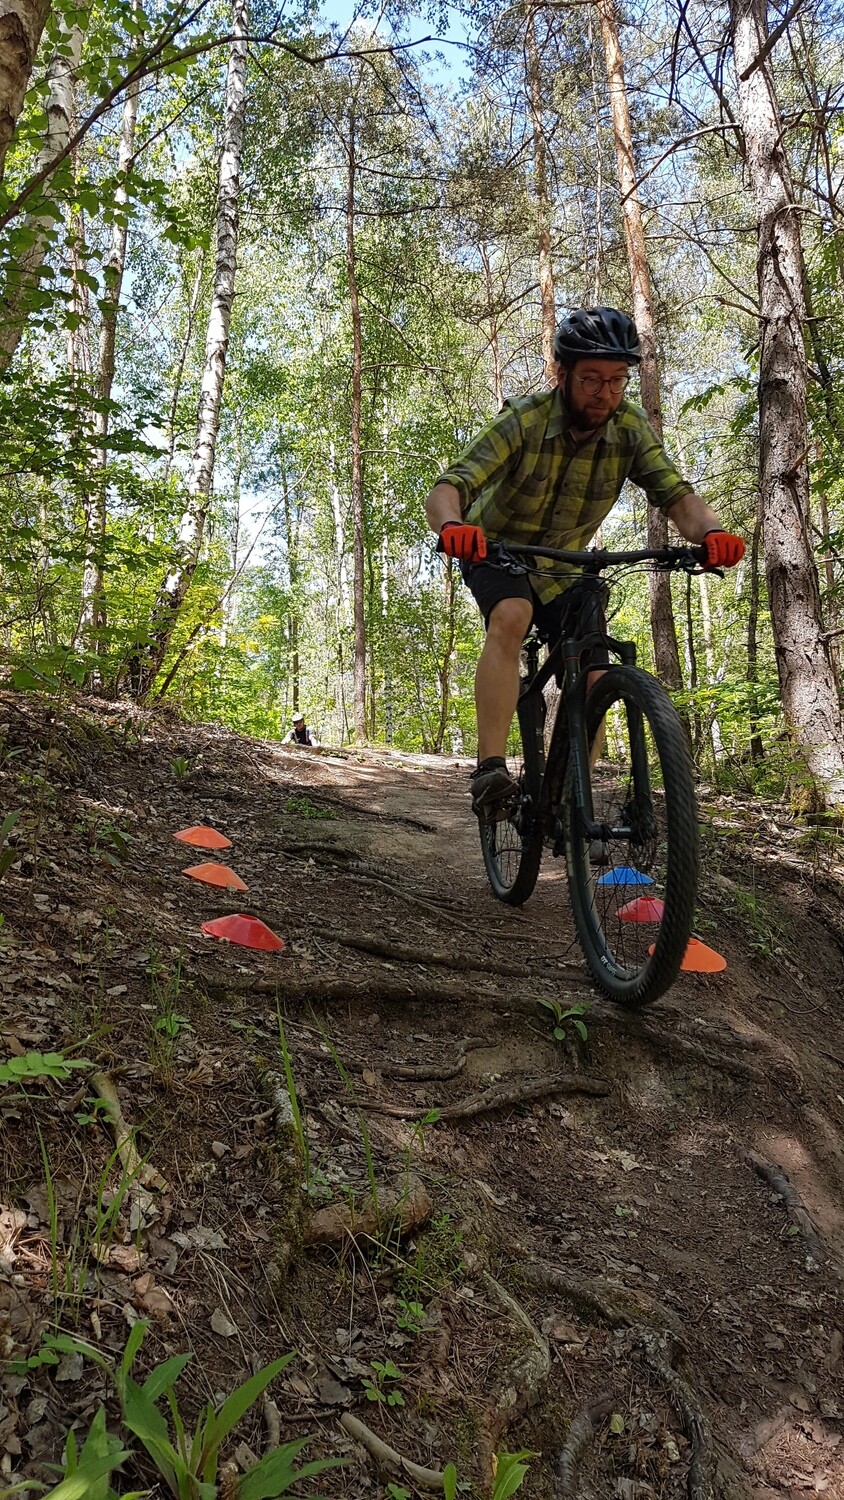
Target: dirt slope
column 632, row 1247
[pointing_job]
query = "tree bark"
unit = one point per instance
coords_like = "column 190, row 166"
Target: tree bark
column 358, row 513
column 24, row 274
column 21, row 25
column 757, row 750
column 192, row 531
column 541, row 195
column 807, row 682
column 666, row 653
column 494, row 347
column 93, row 585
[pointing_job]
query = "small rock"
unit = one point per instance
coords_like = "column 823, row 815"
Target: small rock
column 222, row 1325
column 219, row 1149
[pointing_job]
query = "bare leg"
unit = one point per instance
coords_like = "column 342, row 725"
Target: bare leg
column 497, row 675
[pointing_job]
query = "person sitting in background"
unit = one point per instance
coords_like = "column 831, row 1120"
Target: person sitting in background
column 300, row 734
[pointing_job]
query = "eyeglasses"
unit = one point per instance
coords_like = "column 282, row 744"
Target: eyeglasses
column 593, row 384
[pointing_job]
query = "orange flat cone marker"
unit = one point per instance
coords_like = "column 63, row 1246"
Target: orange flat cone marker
column 203, row 838
column 698, row 959
column 643, row 909
column 247, row 932
column 216, row 875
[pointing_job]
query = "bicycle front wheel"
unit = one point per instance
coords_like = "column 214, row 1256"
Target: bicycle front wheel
column 512, row 845
column 634, row 885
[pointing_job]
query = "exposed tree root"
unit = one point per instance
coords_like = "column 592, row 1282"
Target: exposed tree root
column 530, row 1368
column 402, row 953
column 387, row 1457
column 396, row 1210
column 298, row 989
column 498, row 1096
column 409, row 1072
column 702, row 1468
column 579, row 1439
column 721, row 1062
column 795, row 1208
column 619, row 1307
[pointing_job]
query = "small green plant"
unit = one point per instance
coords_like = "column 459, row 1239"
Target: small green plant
column 34, row 1066
column 410, row 1315
column 181, row 767
column 186, row 1461
column 510, row 1473
column 437, row 1262
column 574, row 1014
column 7, row 856
column 166, row 990
column 383, row 1387
column 307, row 809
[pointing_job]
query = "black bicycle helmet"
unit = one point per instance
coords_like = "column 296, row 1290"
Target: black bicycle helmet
column 599, row 332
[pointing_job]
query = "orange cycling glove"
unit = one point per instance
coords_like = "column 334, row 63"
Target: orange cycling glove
column 467, row 543
column 722, row 549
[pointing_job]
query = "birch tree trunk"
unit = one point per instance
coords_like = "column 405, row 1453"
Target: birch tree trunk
column 494, row 348
column 195, row 517
column 664, row 631
column 21, row 25
column 23, row 275
column 806, row 677
column 93, row 583
column 541, row 196
column 358, row 513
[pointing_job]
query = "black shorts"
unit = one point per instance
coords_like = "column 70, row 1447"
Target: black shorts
column 578, row 609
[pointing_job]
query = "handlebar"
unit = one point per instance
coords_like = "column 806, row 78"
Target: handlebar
column 668, row 559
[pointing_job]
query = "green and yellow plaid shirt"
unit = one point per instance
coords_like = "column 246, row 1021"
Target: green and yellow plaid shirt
column 524, row 479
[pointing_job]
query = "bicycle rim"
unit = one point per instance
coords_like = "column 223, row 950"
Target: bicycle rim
column 512, row 846
column 634, row 889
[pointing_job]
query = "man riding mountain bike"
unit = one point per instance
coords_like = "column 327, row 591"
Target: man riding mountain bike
column 547, row 470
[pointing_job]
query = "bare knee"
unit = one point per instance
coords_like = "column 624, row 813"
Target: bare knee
column 509, row 623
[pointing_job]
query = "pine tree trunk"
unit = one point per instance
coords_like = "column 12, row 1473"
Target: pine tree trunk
column 666, row 652
column 23, row 275
column 21, row 25
column 358, row 515
column 541, row 196
column 192, row 531
column 806, row 678
column 495, row 350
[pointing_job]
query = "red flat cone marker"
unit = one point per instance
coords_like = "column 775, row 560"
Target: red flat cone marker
column 698, row 959
column 203, row 838
column 216, row 875
column 643, row 909
column 247, row 932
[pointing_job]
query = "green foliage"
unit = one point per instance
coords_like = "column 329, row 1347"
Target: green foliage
column 383, row 1388
column 308, row 809
column 34, row 1066
column 573, row 1014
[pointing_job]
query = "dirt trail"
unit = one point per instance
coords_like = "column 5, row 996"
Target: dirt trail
column 628, row 1252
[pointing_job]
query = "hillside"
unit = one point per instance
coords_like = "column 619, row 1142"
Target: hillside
column 623, row 1255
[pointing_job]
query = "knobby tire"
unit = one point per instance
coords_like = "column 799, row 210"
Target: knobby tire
column 512, row 848
column 671, row 780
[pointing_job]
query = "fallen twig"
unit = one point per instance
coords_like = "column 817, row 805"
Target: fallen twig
column 530, row 1367
column 579, row 1439
column 388, row 1458
column 272, row 1422
column 402, row 953
column 136, row 1169
column 777, row 1180
column 497, row 1096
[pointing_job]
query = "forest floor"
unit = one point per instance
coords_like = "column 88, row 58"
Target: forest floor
column 625, row 1255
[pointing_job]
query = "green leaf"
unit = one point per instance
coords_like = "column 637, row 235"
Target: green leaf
column 581, row 1030
column 275, row 1472
column 240, row 1401
column 450, row 1482
column 617, row 1423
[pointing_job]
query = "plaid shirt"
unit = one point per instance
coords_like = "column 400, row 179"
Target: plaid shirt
column 524, row 479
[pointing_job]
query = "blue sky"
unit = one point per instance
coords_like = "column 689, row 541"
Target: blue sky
column 342, row 11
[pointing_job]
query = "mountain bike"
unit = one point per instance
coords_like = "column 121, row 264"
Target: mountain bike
column 604, row 780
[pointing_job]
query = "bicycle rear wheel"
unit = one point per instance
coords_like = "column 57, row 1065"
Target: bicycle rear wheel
column 633, row 889
column 512, row 847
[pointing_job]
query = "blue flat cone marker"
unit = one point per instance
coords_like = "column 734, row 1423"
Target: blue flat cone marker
column 624, row 875
column 643, row 909
column 698, row 959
